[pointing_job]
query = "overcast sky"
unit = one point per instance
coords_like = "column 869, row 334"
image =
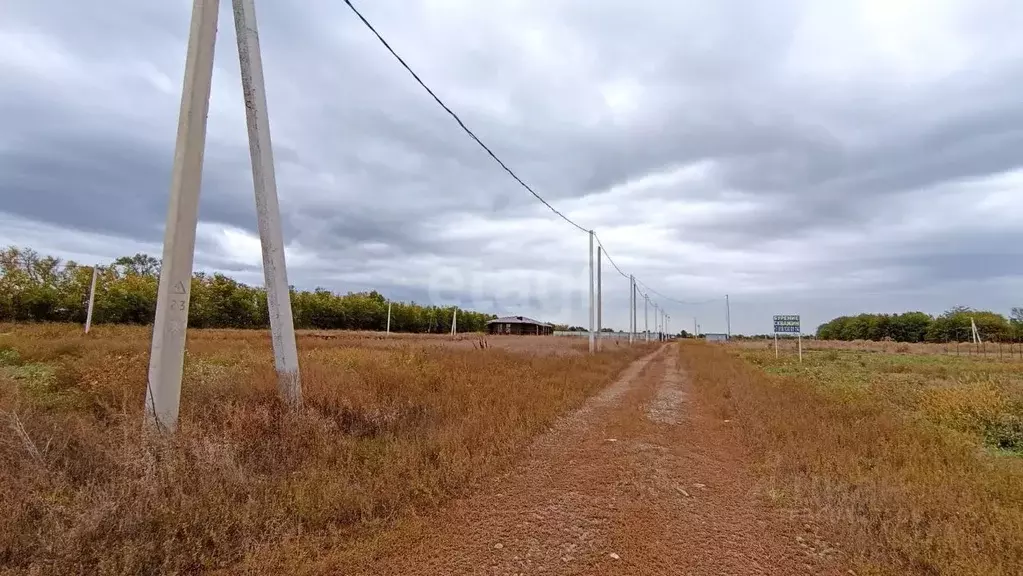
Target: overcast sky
column 807, row 157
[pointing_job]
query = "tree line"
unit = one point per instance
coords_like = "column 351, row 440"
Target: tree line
column 951, row 326
column 35, row 288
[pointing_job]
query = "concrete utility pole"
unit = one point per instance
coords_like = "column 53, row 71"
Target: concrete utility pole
column 600, row 299
column 388, row 317
column 163, row 394
column 696, row 328
column 657, row 322
column 268, row 212
column 635, row 310
column 632, row 308
column 646, row 317
column 92, row 300
column 454, row 322
column 728, row 317
column 593, row 344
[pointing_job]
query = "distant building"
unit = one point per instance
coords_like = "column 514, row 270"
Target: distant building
column 520, row 325
column 716, row 337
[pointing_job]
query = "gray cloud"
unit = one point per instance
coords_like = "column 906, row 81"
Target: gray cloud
column 815, row 160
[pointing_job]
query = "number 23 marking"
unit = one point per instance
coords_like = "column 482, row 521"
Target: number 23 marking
column 178, row 304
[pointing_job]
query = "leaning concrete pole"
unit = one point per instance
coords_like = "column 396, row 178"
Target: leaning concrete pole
column 163, row 393
column 454, row 322
column 600, row 299
column 268, row 212
column 593, row 344
column 388, row 317
column 92, row 300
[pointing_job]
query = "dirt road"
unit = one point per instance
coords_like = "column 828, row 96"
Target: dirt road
column 642, row 480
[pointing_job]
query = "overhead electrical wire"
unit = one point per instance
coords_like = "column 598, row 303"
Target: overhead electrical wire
column 487, row 149
column 680, row 302
column 459, row 120
column 609, row 259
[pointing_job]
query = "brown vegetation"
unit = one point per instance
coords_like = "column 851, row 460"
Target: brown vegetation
column 390, row 428
column 993, row 350
column 912, row 459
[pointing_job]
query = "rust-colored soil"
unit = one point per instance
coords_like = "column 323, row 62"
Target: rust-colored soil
column 644, row 479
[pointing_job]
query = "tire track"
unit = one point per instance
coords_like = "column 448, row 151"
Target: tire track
column 640, row 480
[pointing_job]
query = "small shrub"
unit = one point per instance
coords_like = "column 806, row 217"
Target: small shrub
column 1005, row 432
column 9, row 357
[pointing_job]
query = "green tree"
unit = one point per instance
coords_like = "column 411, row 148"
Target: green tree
column 36, row 288
column 1016, row 324
column 911, row 326
column 955, row 325
column 908, row 327
column 139, row 265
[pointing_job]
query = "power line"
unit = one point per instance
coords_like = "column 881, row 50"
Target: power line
column 609, row 259
column 459, row 120
column 669, row 298
column 649, row 289
column 487, row 148
column 638, row 281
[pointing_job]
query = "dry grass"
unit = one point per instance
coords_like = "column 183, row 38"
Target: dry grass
column 912, row 459
column 1004, row 351
column 391, row 428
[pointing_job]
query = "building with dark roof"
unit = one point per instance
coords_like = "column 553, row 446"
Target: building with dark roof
column 521, row 325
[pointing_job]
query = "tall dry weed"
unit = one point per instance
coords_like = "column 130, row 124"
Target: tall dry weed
column 388, row 431
column 909, row 495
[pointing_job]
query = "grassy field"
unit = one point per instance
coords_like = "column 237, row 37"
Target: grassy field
column 911, row 456
column 1003, row 351
column 391, row 428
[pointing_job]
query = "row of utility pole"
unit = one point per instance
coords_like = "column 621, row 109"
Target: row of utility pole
column 661, row 318
column 728, row 320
